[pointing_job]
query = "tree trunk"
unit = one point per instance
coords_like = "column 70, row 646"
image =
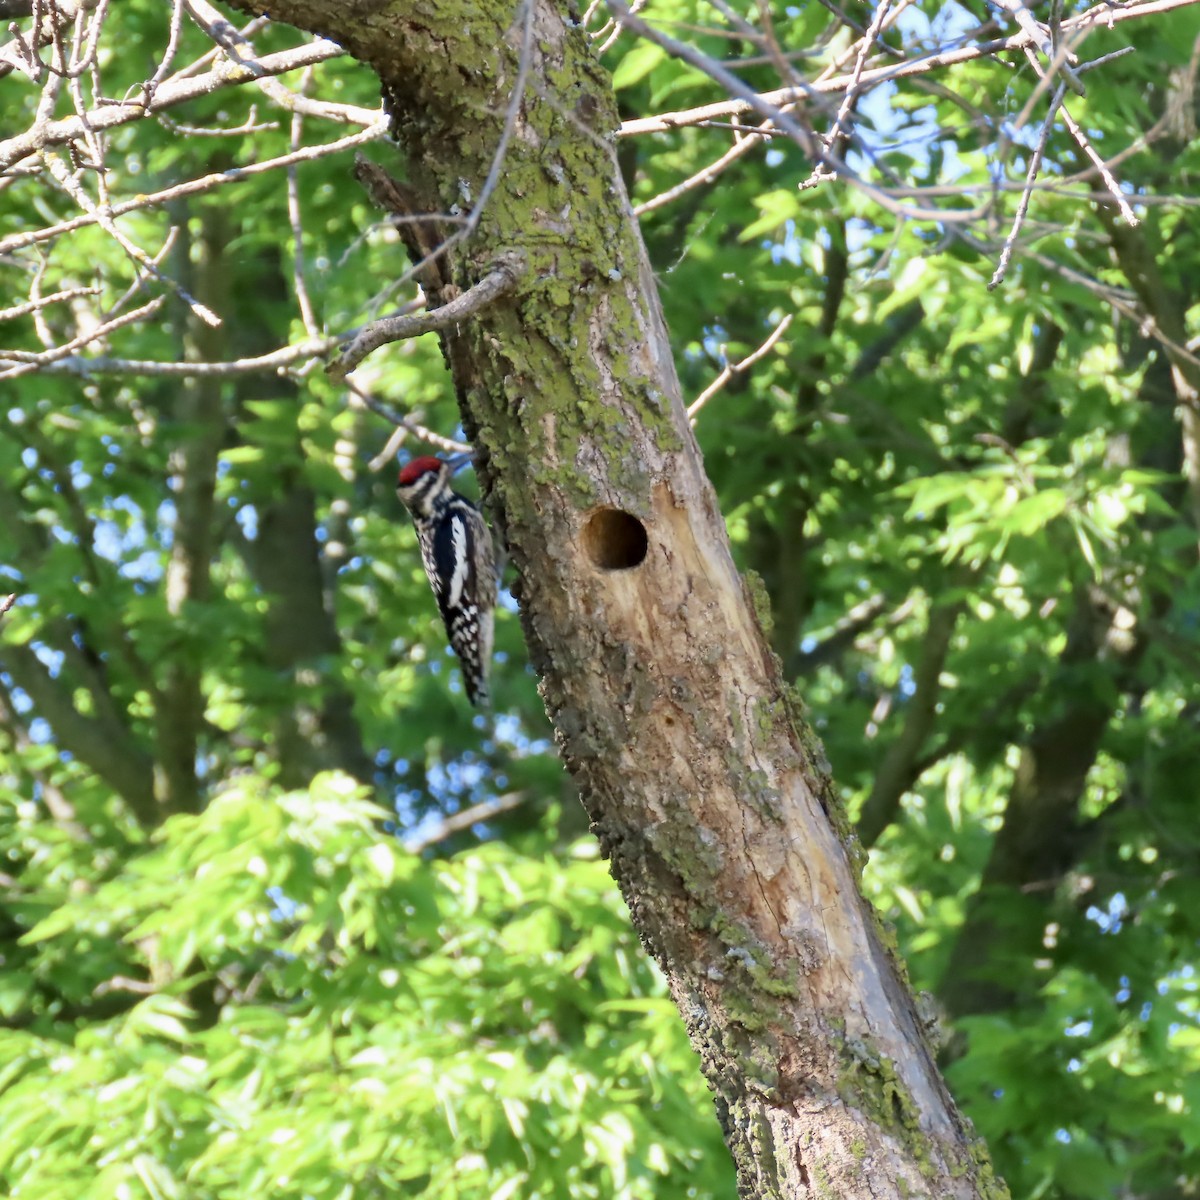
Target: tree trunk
column 702, row 782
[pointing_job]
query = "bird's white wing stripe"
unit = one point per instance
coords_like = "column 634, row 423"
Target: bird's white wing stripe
column 462, row 562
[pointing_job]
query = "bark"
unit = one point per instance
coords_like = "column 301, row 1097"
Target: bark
column 700, row 778
column 315, row 726
column 201, row 419
column 316, row 730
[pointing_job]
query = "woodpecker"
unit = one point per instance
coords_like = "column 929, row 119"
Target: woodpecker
column 460, row 561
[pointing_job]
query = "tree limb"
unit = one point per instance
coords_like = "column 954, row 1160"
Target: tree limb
column 499, row 281
column 896, row 773
column 101, row 742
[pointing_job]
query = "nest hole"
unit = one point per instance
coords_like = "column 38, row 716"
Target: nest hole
column 615, row 540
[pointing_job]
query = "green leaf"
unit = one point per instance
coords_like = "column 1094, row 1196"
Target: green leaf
column 636, row 64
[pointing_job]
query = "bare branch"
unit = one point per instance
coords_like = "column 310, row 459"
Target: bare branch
column 28, row 361
column 804, row 137
column 1040, row 37
column 852, row 92
column 391, row 448
column 251, row 125
column 751, row 135
column 732, row 369
column 1035, row 162
column 361, row 398
column 45, row 132
column 192, row 187
column 1101, row 14
column 263, row 363
column 710, row 173
column 471, row 222
column 747, row 99
column 1110, row 182
column 242, row 53
column 73, row 188
column 40, row 302
column 168, row 57
column 500, row 280
column 307, row 313
column 460, row 821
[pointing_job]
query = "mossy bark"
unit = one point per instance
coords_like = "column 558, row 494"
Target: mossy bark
column 691, row 758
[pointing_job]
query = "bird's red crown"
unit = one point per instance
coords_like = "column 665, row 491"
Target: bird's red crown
column 412, row 471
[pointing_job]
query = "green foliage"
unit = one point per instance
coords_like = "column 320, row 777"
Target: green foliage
column 336, row 1017
column 919, row 450
column 264, row 994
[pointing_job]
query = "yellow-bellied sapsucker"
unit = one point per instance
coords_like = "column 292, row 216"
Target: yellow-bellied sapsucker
column 460, row 561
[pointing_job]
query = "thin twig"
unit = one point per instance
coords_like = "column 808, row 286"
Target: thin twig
column 307, row 313
column 391, row 448
column 45, row 132
column 105, row 221
column 852, row 92
column 1110, row 182
column 709, row 173
column 28, row 361
column 1081, row 140
column 151, row 84
column 746, row 95
column 1100, row 14
column 205, row 183
column 405, row 425
column 1041, row 37
column 274, row 362
column 753, row 134
column 251, row 29
column 251, row 125
column 1121, row 302
column 803, row 137
column 1035, row 162
column 21, row 310
column 40, row 324
column 460, row 821
column 470, row 223
column 241, row 53
column 732, row 369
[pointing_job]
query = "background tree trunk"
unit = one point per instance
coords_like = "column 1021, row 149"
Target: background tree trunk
column 703, row 784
